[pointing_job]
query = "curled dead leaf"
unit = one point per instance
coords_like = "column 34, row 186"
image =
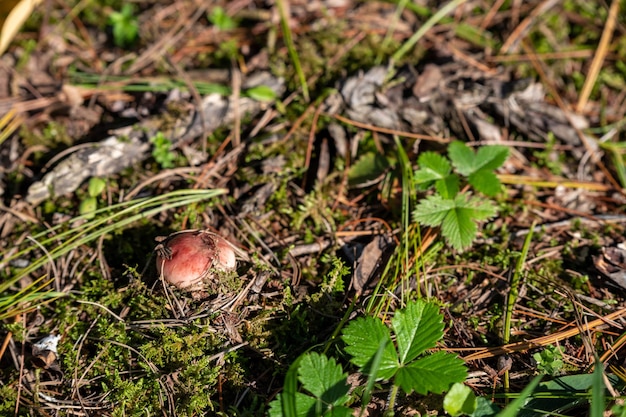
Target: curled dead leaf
column 20, row 11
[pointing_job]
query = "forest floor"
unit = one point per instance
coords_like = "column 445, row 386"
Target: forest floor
column 359, row 155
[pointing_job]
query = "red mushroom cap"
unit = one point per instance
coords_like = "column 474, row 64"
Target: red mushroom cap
column 187, row 258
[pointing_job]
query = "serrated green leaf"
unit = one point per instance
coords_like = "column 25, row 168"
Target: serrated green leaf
column 434, row 162
column 481, row 209
column 363, row 337
column 459, row 226
column 459, row 400
column 466, row 162
column 432, row 210
column 462, row 157
column 432, row 167
column 491, row 157
column 433, row 373
column 448, row 187
column 485, row 181
column 323, row 378
column 457, row 217
column 304, row 406
column 417, row 327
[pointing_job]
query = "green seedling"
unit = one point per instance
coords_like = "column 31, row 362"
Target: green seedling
column 124, row 25
column 220, row 19
column 550, row 360
column 456, row 212
column 89, row 204
column 161, row 150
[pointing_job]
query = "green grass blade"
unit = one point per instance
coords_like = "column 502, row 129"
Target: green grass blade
column 371, row 380
column 290, row 389
column 410, row 43
column 284, row 23
column 597, row 390
column 512, row 409
column 408, row 196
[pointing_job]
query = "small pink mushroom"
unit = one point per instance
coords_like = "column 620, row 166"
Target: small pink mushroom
column 188, row 258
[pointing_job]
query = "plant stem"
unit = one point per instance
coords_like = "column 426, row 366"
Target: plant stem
column 407, row 203
column 513, row 293
column 392, row 401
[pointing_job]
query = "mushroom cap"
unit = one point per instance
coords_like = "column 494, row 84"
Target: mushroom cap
column 187, row 258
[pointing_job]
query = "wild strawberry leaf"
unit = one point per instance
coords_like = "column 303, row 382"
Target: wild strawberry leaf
column 433, row 373
column 363, row 337
column 466, row 162
column 457, row 217
column 462, row 157
column 305, row 406
column 433, row 167
column 485, row 181
column 432, row 210
column 492, row 157
column 323, row 378
column 448, row 187
column 417, row 327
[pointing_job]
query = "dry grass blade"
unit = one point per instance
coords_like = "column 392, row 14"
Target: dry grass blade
column 9, row 123
column 390, row 131
column 545, row 340
column 523, row 28
column 598, row 59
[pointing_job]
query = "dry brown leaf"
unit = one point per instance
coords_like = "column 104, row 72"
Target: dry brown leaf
column 14, row 21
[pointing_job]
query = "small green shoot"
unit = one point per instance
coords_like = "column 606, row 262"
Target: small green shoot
column 124, row 25
column 161, row 151
column 458, row 213
column 261, row 93
column 89, row 204
column 220, row 19
column 417, row 327
column 550, row 360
